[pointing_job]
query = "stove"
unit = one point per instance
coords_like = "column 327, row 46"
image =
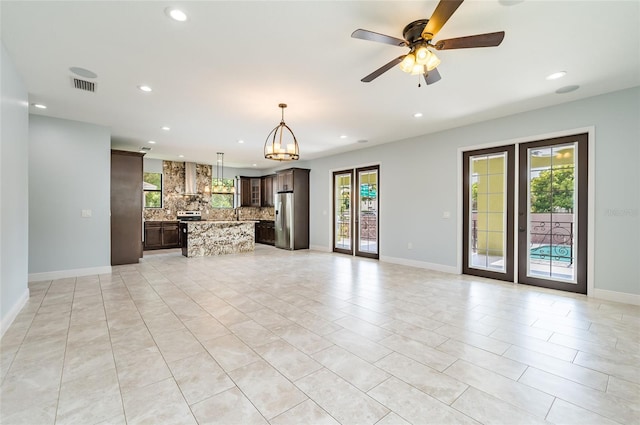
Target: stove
column 189, row 215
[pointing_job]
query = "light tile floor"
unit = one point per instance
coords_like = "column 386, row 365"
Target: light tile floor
column 314, row 338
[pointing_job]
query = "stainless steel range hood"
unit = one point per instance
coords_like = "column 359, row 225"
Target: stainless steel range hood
column 190, row 179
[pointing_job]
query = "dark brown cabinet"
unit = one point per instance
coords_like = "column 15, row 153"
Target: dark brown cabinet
column 152, row 235
column 126, row 207
column 268, row 190
column 266, row 232
column 250, row 192
column 161, row 235
column 285, row 180
column 245, row 192
column 170, row 234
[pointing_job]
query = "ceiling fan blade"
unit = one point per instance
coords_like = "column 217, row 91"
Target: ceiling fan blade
column 380, row 38
column 432, row 76
column 481, row 40
column 378, row 72
column 440, row 16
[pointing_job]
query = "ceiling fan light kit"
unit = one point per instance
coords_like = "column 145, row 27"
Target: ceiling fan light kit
column 418, row 36
column 281, row 143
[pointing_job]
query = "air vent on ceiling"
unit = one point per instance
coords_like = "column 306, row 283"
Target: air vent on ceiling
column 144, row 148
column 84, row 85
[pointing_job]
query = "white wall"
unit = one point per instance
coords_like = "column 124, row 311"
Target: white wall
column 150, row 165
column 420, row 178
column 69, row 171
column 14, row 207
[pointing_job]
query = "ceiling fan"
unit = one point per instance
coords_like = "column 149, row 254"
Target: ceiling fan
column 418, row 37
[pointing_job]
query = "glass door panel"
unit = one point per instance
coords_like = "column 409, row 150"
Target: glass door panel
column 488, row 202
column 342, row 214
column 552, row 218
column 367, row 212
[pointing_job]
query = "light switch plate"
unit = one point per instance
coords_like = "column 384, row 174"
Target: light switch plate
column 86, row 213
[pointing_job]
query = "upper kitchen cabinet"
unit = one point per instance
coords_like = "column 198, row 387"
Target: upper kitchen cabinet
column 250, row 192
column 126, row 207
column 268, row 190
column 285, row 180
column 290, row 178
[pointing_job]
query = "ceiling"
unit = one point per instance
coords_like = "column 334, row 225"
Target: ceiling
column 218, row 77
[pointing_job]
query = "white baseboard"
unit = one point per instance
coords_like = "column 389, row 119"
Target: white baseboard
column 320, row 248
column 621, row 297
column 61, row 274
column 401, row 261
column 13, row 313
column 420, row 264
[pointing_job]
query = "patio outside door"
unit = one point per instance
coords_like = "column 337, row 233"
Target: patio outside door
column 552, row 213
column 355, row 211
column 488, row 208
column 552, row 218
column 342, row 212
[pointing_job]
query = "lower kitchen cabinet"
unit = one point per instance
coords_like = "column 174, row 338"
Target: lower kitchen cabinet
column 266, row 232
column 170, row 235
column 161, row 235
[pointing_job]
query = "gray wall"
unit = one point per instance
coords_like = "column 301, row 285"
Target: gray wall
column 14, row 207
column 69, row 171
column 420, row 179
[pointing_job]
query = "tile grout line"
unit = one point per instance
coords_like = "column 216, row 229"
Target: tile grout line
column 64, row 357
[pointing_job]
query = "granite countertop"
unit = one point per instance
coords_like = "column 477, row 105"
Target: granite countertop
column 224, row 222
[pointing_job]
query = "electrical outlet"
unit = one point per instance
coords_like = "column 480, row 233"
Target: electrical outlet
column 410, row 245
column 86, row 213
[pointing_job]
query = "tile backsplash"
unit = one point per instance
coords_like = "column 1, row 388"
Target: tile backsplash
column 173, row 199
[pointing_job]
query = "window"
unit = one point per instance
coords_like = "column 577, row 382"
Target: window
column 222, row 193
column 152, row 187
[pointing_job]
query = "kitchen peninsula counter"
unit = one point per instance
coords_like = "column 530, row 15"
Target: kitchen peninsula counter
column 204, row 238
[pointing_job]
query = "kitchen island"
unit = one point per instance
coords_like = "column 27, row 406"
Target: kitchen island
column 204, row 238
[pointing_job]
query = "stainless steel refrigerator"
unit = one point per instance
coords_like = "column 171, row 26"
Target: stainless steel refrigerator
column 284, row 220
column 291, row 221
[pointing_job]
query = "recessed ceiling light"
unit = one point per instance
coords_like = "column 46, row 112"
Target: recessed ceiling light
column 344, row 136
column 39, row 106
column 556, row 75
column 153, row 142
column 567, row 89
column 165, row 128
column 255, row 165
column 180, row 156
column 144, row 88
column 176, row 14
column 241, row 141
column 417, row 115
